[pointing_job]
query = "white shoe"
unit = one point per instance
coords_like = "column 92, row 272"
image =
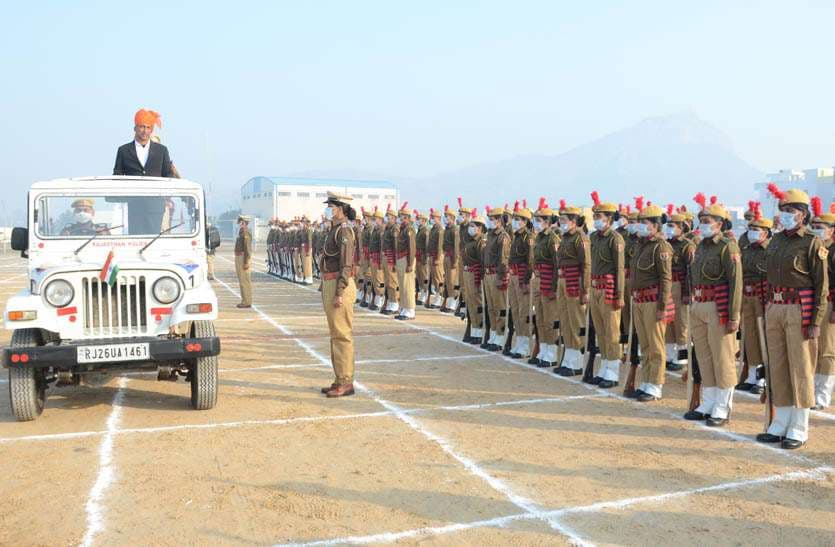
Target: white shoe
column 824, row 384
column 724, row 399
column 610, row 370
column 708, row 401
column 523, row 348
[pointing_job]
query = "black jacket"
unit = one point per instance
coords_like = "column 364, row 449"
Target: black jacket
column 158, row 163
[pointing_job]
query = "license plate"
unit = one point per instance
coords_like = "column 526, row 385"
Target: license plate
column 113, row 352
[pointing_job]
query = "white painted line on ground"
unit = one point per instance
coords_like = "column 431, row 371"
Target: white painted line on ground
column 359, row 362
column 817, row 474
column 106, row 474
column 523, row 503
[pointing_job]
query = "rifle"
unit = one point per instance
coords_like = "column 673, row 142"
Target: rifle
column 743, row 374
column 590, row 348
column 767, row 396
column 693, row 376
column 632, row 348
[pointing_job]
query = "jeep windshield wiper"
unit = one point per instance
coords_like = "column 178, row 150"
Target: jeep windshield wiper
column 159, row 235
column 94, row 236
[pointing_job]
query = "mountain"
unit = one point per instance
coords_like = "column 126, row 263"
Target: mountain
column 666, row 159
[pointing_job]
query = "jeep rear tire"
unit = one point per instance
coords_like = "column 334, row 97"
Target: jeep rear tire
column 27, row 386
column 203, row 371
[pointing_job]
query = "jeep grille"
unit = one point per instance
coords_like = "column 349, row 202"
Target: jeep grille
column 116, row 310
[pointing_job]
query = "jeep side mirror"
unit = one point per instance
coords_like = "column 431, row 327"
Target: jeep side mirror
column 20, row 239
column 214, row 238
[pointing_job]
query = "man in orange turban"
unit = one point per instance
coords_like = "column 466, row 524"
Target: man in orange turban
column 143, row 157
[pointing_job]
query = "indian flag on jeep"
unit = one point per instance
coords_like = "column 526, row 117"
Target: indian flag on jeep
column 110, row 269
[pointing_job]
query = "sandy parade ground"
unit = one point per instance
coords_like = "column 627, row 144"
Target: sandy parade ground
column 443, row 444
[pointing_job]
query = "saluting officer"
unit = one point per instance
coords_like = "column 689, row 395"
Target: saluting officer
column 573, row 285
column 650, row 279
column 607, row 294
column 715, row 295
column 496, row 277
column 753, row 245
column 435, row 250
column 473, row 270
column 519, row 294
column 796, row 261
column 243, row 261
column 406, row 251
column 339, row 291
column 822, row 226
column 684, row 249
column 544, row 285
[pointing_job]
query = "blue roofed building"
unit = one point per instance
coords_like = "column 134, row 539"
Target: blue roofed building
column 289, row 197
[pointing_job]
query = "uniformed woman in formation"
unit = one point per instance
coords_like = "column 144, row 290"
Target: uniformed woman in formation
column 796, row 261
column 573, row 285
column 519, row 294
column 753, row 245
column 822, row 226
column 715, row 293
column 677, row 337
column 544, row 285
column 496, row 277
column 471, row 258
column 339, row 291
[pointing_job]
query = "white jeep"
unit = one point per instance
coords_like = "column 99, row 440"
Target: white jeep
column 116, row 282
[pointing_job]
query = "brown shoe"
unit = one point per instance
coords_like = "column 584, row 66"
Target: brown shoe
column 242, row 305
column 341, row 391
column 330, row 387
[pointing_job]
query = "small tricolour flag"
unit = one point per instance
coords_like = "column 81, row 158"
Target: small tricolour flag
column 110, row 270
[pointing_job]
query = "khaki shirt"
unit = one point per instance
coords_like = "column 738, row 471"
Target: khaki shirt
column 436, row 241
column 574, row 250
column 717, row 262
column 545, row 252
column 607, row 257
column 390, row 237
column 375, row 240
column 473, row 251
column 652, row 265
column 338, row 253
column 406, row 242
column 243, row 244
column 452, row 241
column 422, row 241
column 753, row 259
column 683, row 251
column 799, row 260
column 521, row 250
column 497, row 251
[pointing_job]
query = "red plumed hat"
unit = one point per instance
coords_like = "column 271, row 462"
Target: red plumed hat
column 595, row 197
column 817, row 206
column 700, row 199
column 776, row 192
column 639, row 203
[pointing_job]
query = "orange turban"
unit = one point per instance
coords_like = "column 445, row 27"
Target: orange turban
column 147, row 117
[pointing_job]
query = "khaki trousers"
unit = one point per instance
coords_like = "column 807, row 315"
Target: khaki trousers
column 390, row 279
column 378, row 280
column 472, row 297
column 436, row 272
column 789, row 357
column 677, row 330
column 244, row 279
column 520, row 306
column 651, row 338
column 210, row 265
column 422, row 275
column 715, row 346
column 341, row 327
column 752, row 308
column 826, row 346
column 606, row 321
column 546, row 314
column 451, row 276
column 297, row 263
column 307, row 266
column 496, row 304
column 572, row 316
column 406, row 280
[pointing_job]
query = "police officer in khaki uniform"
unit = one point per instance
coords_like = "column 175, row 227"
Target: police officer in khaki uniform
column 650, row 279
column 753, row 245
column 822, row 226
column 607, row 290
column 471, row 263
column 573, row 286
column 364, row 271
column 377, row 263
column 390, row 234
column 714, row 291
column 452, row 252
column 306, row 250
column 796, row 261
column 243, row 261
column 520, row 298
column 406, row 258
column 684, row 249
column 496, row 277
column 435, row 252
column 463, row 220
column 339, row 291
column 544, row 285
column 422, row 258
column 210, row 254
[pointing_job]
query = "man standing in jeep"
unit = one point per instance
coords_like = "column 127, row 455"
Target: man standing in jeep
column 143, row 157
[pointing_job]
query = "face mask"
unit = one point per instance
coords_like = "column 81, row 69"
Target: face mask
column 787, row 220
column 516, row 225
column 820, row 232
column 328, row 214
column 459, row 218
column 669, row 231
column 706, row 230
column 754, row 235
column 630, row 229
column 537, row 225
column 431, row 222
column 490, row 224
column 600, row 224
column 82, row 217
column 564, row 228
column 472, row 230
column 642, row 230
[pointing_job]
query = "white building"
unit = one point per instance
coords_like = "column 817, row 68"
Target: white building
column 289, row 197
column 815, row 182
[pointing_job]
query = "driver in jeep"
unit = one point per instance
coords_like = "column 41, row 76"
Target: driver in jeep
column 83, row 216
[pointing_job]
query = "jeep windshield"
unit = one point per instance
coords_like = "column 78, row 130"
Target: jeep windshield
column 81, row 217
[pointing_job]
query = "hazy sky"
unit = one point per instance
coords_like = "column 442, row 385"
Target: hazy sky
column 401, row 88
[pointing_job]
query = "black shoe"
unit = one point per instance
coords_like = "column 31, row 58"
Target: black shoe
column 363, row 304
column 558, row 371
column 694, row 415
column 373, row 307
column 565, row 371
column 606, row 384
column 646, row 397
column 544, row 364
column 715, row 422
column 576, row 372
column 596, row 380
column 461, row 314
column 634, row 394
column 474, row 341
column 756, row 390
column 533, row 360
column 791, row 444
column 495, row 347
column 674, row 366
column 433, row 307
column 516, row 355
column 744, row 386
column 400, row 317
column 484, row 345
column 769, row 438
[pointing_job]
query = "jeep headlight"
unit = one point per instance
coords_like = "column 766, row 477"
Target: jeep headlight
column 59, row 293
column 166, row 290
